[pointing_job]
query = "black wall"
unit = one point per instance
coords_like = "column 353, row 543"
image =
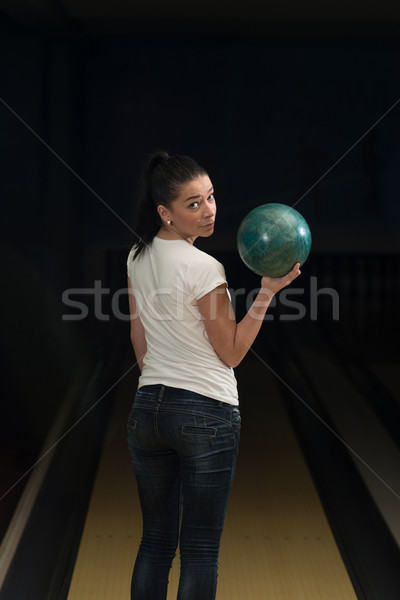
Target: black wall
column 267, row 115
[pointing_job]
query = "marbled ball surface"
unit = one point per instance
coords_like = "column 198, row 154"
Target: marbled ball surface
column 272, row 238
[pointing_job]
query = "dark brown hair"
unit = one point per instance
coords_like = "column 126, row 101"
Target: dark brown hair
column 162, row 177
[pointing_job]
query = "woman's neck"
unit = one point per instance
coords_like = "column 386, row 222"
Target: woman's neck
column 171, row 234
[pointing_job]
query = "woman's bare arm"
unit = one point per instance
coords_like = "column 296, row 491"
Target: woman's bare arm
column 231, row 340
column 138, row 337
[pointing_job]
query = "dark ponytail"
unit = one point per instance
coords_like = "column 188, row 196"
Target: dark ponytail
column 161, row 180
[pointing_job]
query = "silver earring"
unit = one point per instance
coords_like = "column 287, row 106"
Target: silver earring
column 169, row 222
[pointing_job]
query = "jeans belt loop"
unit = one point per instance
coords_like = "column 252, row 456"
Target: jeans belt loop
column 161, row 394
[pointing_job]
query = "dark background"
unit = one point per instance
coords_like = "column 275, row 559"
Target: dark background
column 267, row 98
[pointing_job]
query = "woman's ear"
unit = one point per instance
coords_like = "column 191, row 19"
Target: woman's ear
column 164, row 213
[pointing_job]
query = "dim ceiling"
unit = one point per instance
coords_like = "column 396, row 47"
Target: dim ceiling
column 129, row 16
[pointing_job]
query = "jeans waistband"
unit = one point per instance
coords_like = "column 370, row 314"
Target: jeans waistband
column 163, row 392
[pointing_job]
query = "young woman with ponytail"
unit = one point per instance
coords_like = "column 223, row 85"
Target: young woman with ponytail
column 184, row 425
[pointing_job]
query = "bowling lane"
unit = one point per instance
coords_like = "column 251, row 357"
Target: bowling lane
column 372, row 450
column 353, row 455
column 277, row 542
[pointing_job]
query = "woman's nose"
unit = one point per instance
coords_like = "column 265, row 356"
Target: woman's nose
column 209, row 211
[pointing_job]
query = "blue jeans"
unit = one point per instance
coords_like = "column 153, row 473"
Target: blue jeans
column 183, row 448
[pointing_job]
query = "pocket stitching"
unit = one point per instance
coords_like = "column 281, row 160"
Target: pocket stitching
column 199, row 431
column 132, row 423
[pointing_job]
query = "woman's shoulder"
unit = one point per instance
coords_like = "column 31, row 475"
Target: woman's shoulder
column 202, row 264
column 183, row 251
column 201, row 258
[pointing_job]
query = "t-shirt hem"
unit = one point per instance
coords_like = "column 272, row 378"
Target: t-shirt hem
column 211, row 287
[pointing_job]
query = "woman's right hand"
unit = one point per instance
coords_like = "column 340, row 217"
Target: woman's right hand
column 272, row 285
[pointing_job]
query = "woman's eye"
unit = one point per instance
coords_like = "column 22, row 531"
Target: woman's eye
column 211, row 197
column 193, row 205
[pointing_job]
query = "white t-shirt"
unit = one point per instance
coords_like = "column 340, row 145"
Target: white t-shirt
column 167, row 280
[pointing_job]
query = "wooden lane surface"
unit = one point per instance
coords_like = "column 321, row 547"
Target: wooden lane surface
column 277, row 543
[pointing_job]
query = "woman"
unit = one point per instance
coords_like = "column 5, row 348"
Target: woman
column 183, row 429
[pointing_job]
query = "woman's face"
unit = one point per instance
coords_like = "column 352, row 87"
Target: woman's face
column 193, row 212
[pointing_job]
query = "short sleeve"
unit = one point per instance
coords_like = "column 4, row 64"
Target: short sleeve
column 205, row 275
column 129, row 262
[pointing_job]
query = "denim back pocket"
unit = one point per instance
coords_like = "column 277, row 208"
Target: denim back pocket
column 199, row 432
column 132, row 420
column 132, row 424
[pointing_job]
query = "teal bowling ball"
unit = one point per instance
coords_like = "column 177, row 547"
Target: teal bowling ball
column 272, row 238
